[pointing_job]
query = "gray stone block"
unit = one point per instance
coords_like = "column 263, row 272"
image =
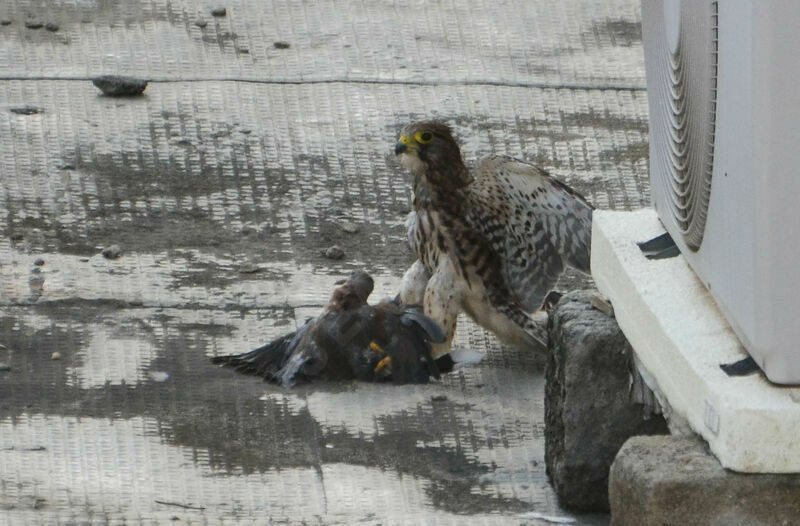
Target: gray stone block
column 588, row 409
column 667, row 480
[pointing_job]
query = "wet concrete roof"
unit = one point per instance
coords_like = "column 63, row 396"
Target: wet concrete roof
column 222, row 185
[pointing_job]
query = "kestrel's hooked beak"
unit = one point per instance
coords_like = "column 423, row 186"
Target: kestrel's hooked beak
column 402, row 145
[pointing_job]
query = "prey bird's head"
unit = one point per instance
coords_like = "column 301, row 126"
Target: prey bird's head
column 428, row 149
column 352, row 292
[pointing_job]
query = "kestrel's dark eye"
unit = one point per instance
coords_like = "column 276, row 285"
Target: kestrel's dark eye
column 423, row 137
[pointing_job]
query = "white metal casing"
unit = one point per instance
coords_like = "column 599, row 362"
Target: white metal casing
column 749, row 257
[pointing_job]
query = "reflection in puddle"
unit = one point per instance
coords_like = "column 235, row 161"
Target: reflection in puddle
column 121, row 470
column 110, row 360
column 145, row 417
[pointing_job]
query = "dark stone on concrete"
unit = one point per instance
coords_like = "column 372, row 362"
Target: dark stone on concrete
column 349, row 226
column 249, row 268
column 219, row 11
column 334, row 252
column 5, row 22
column 200, row 23
column 39, row 262
column 588, row 412
column 667, row 480
column 118, row 85
column 112, row 252
column 281, row 45
column 33, row 24
column 25, row 110
column 51, row 26
column 4, row 367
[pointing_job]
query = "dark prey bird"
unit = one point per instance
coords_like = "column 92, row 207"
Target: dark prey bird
column 350, row 339
column 490, row 242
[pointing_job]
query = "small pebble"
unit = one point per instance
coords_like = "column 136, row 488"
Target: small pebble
column 119, row 85
column 112, row 252
column 33, row 24
column 439, row 398
column 51, row 26
column 349, row 227
column 55, row 356
column 248, row 268
column 67, row 167
column 281, row 45
column 16, row 236
column 219, row 11
column 36, row 270
column 334, row 252
column 4, row 367
column 39, row 262
column 5, row 22
column 25, row 110
column 200, row 23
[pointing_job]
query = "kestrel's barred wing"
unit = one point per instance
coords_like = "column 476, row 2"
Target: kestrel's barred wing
column 537, row 223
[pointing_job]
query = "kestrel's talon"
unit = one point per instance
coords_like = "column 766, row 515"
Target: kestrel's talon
column 383, row 364
column 377, row 348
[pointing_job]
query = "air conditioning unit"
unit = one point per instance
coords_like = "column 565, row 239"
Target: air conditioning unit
column 723, row 82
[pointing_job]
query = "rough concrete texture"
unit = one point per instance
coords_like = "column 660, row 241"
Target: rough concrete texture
column 588, row 409
column 222, row 184
column 664, row 481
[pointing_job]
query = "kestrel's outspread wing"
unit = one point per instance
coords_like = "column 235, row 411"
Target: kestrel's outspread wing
column 349, row 339
column 537, row 223
column 492, row 245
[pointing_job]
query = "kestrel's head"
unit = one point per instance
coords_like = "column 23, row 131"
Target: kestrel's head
column 428, row 148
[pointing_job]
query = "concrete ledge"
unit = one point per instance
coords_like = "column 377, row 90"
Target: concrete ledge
column 663, row 480
column 680, row 337
column 588, row 412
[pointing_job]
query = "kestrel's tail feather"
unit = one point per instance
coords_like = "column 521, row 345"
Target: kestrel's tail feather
column 535, row 333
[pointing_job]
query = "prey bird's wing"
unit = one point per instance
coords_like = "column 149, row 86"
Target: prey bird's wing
column 270, row 359
column 414, row 318
column 537, row 223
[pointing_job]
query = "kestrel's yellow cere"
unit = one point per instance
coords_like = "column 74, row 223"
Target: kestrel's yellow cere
column 491, row 245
